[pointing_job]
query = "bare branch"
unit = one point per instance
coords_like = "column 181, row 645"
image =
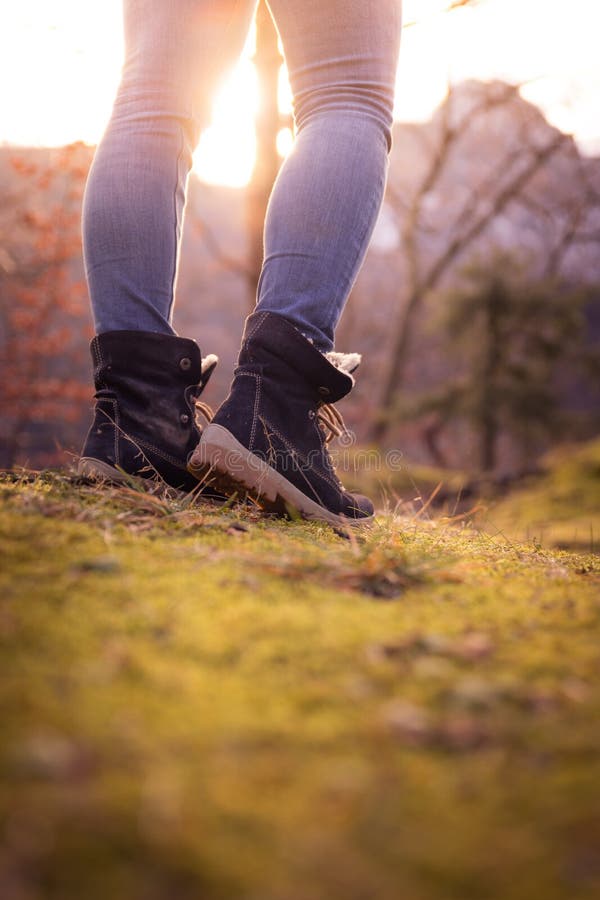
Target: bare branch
column 423, row 285
column 456, row 246
column 572, row 234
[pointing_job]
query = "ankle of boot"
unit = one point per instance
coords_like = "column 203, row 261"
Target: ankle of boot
column 268, row 334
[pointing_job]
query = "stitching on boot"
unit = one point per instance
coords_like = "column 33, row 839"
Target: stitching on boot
column 136, row 443
column 117, row 428
column 255, row 410
column 97, row 353
column 258, row 380
column 271, row 453
column 333, row 478
column 299, row 456
column 158, row 452
column 272, row 458
column 298, row 459
column 262, row 317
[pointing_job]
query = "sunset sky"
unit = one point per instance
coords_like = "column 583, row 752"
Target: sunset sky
column 60, row 61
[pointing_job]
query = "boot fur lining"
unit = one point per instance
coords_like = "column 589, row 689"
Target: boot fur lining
column 209, row 362
column 346, row 362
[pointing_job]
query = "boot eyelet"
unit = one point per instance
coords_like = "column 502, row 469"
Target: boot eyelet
column 184, row 418
column 324, row 391
column 185, row 363
column 311, row 414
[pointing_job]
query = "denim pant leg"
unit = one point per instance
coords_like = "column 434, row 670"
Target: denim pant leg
column 342, row 57
column 175, row 52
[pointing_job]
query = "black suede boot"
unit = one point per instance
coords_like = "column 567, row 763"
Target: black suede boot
column 268, row 439
column 144, row 423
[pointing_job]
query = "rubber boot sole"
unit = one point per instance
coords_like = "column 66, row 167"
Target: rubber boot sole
column 89, row 467
column 229, row 467
column 97, row 470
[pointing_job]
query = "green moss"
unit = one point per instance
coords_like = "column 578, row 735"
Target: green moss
column 559, row 508
column 199, row 703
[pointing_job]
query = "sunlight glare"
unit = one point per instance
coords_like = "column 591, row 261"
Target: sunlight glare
column 227, row 148
column 284, row 92
column 60, row 65
column 285, row 141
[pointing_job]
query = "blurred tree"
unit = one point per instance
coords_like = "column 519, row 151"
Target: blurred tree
column 42, row 306
column 486, row 199
column 510, row 336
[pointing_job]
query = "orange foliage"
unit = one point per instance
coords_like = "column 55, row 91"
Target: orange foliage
column 44, row 318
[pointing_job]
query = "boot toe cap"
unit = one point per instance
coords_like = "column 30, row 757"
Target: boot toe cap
column 357, row 506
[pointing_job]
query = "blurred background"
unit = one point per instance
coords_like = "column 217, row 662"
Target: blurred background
column 478, row 308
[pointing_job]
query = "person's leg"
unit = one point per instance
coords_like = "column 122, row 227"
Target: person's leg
column 147, row 379
column 269, row 437
column 175, row 53
column 342, row 57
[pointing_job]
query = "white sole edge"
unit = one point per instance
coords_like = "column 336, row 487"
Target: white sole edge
column 98, row 470
column 89, row 467
column 219, row 452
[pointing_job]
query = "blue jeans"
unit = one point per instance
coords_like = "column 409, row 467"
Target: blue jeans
column 342, row 57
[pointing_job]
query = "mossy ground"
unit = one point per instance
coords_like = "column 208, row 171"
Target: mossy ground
column 558, row 508
column 201, row 703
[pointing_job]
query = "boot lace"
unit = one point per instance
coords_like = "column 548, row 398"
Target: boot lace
column 202, row 411
column 332, row 426
column 331, row 421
